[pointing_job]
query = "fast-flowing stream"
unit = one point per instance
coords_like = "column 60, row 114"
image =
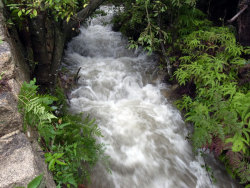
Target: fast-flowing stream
column 144, row 134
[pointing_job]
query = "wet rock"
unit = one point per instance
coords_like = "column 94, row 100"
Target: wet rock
column 20, row 163
column 174, row 87
column 218, row 170
column 171, row 93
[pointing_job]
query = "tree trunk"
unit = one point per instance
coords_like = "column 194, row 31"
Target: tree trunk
column 81, row 16
column 218, row 10
column 39, row 45
column 244, row 23
column 59, row 43
column 48, row 39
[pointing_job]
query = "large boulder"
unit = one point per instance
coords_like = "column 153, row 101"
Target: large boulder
column 20, row 163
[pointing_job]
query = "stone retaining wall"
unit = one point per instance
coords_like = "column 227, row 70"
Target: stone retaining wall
column 21, row 160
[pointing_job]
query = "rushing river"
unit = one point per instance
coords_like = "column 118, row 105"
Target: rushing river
column 144, row 134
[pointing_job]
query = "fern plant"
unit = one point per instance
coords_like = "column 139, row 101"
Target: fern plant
column 34, row 107
column 220, row 111
column 207, row 57
column 68, row 140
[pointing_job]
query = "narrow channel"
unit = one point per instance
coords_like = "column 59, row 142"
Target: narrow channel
column 145, row 135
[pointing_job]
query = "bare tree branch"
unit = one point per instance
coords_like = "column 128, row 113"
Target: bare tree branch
column 82, row 15
column 238, row 14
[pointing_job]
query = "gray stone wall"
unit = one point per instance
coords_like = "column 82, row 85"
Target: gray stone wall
column 21, row 159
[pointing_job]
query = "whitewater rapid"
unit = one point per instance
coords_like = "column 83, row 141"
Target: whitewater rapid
column 145, row 136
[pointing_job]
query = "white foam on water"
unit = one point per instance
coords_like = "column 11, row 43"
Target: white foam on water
column 143, row 133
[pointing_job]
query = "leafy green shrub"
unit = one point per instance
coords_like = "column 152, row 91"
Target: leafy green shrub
column 63, row 9
column 69, row 140
column 146, row 22
column 35, row 108
column 208, row 57
column 220, row 111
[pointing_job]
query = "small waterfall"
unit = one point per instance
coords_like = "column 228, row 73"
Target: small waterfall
column 144, row 134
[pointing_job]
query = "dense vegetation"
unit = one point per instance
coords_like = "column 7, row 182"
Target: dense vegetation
column 41, row 29
column 207, row 57
column 199, row 53
column 24, row 9
column 69, row 141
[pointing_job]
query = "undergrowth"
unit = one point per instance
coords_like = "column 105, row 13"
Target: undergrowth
column 208, row 57
column 69, row 140
column 220, row 111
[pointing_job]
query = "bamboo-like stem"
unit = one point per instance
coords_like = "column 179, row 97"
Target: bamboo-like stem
column 238, row 14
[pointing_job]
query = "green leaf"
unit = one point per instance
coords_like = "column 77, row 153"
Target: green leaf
column 34, row 12
column 52, row 164
column 68, row 18
column 58, row 155
column 35, row 182
column 60, row 162
column 20, row 13
column 28, row 11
